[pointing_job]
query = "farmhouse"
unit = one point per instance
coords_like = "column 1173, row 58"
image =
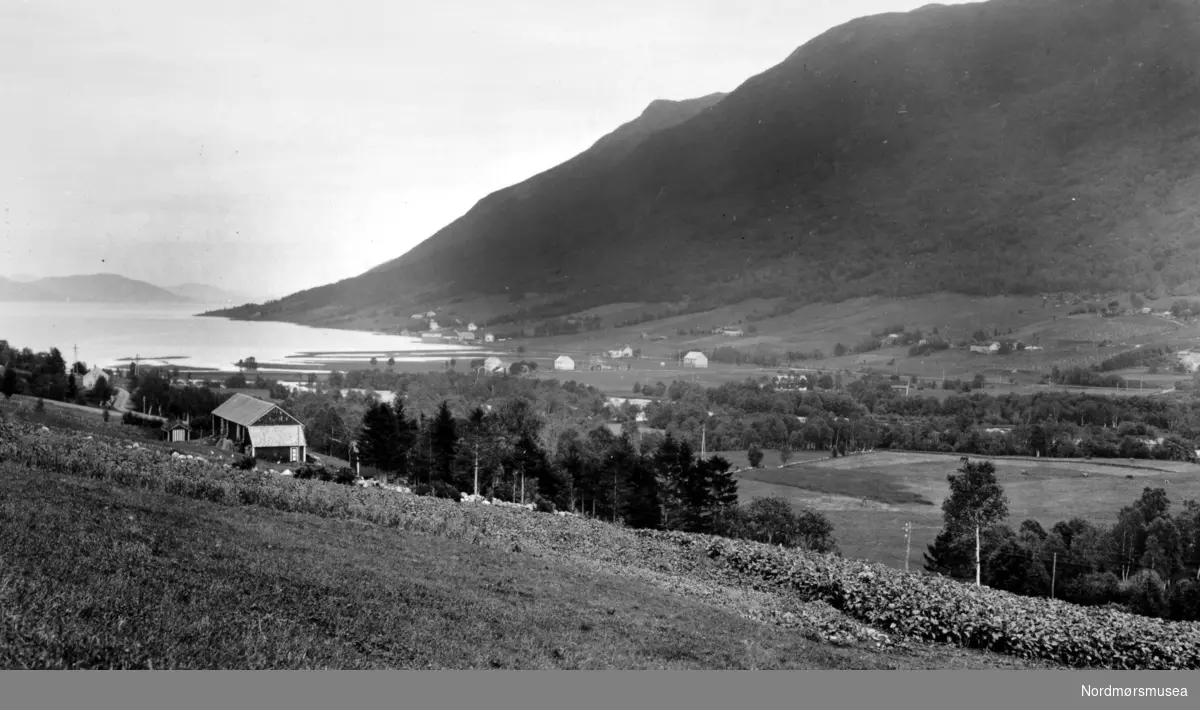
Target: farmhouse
column 268, row 432
column 489, row 338
column 623, row 351
column 464, row 335
column 94, row 374
column 732, row 332
column 563, row 362
column 176, row 430
column 695, row 359
column 472, row 327
column 493, row 364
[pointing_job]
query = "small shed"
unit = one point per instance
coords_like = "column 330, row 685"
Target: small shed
column 695, row 359
column 176, row 430
column 564, row 362
column 489, row 338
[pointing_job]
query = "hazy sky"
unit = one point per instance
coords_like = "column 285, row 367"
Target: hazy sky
column 281, row 144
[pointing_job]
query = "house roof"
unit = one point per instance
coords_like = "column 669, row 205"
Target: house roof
column 176, row 424
column 694, row 354
column 241, row 409
column 271, row 436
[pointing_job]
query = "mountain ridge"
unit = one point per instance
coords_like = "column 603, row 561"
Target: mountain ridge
column 893, row 155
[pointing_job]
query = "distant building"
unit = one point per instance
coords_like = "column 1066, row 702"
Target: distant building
column 267, row 431
column 695, row 359
column 563, row 362
column 176, row 430
column 433, row 325
column 489, row 338
column 465, row 335
column 732, row 332
column 88, row 381
column 492, row 364
column 431, row 336
column 981, row 349
column 418, row 316
column 623, row 351
column 429, row 314
column 1145, row 311
column 472, row 327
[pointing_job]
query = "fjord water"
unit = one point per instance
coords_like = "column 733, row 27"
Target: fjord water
column 107, row 332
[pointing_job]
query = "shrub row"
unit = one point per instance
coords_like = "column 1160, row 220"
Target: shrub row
column 935, row 608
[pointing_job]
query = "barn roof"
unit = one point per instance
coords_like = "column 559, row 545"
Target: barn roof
column 176, row 424
column 272, row 436
column 241, row 409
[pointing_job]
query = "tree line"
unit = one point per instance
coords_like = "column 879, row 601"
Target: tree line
column 1148, row 561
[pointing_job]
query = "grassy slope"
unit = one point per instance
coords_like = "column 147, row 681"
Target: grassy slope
column 98, row 576
column 873, row 530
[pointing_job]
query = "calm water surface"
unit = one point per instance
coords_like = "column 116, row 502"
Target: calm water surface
column 105, row 333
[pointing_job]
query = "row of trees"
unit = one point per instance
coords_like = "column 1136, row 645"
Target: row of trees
column 658, row 485
column 1148, row 560
column 46, row 375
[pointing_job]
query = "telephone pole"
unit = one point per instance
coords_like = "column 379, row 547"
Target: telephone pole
column 977, row 575
column 477, row 468
column 1053, row 574
column 907, row 544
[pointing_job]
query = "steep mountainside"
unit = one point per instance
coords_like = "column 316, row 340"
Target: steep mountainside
column 101, row 288
column 1008, row 146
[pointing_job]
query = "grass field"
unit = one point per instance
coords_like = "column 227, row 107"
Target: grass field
column 890, row 483
column 95, row 575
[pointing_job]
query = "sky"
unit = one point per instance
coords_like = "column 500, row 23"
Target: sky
column 270, row 146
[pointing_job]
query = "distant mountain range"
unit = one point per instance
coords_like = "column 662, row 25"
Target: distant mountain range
column 1010, row 146
column 112, row 288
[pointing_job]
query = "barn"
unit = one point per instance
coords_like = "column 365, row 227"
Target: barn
column 563, row 362
column 266, row 430
column 695, row 359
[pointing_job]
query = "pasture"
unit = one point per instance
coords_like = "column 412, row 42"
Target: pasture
column 870, row 497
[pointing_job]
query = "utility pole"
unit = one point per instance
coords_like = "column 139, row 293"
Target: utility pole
column 907, row 544
column 703, row 432
column 1053, row 574
column 477, row 468
column 977, row 575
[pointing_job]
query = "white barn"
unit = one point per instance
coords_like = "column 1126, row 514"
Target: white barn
column 563, row 362
column 695, row 359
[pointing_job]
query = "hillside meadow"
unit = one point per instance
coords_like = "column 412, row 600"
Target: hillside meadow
column 104, row 568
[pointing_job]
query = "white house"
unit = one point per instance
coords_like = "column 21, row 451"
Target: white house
column 624, row 351
column 732, row 332
column 489, row 338
column 88, row 381
column 472, row 327
column 464, row 335
column 418, row 316
column 433, row 325
column 492, row 364
column 695, row 359
column 431, row 336
column 562, row 362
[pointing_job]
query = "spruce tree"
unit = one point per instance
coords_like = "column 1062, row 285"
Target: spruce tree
column 8, row 384
column 444, row 443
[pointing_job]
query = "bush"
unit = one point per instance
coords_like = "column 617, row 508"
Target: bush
column 1185, row 601
column 754, row 455
column 308, row 472
column 345, row 476
column 245, row 463
column 1146, row 594
column 1094, row 589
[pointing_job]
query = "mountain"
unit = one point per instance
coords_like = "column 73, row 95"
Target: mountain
column 97, row 288
column 13, row 290
column 203, row 293
column 1011, row 146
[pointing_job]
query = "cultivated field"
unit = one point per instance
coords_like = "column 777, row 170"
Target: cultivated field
column 870, row 497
